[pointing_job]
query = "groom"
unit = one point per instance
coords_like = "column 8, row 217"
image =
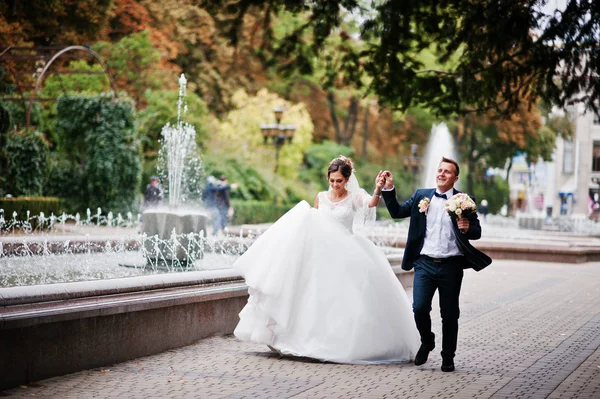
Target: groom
column 438, row 248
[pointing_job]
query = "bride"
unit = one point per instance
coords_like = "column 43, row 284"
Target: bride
column 317, row 290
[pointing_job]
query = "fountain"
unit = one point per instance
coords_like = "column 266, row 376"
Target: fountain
column 440, row 144
column 168, row 223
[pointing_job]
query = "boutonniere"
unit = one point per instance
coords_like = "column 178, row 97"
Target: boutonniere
column 424, row 205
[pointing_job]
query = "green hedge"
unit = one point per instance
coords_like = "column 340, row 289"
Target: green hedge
column 252, row 212
column 99, row 137
column 35, row 205
column 27, row 156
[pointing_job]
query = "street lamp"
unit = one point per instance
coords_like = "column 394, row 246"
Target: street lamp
column 277, row 133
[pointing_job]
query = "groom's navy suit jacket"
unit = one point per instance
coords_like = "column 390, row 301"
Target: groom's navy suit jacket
column 418, row 222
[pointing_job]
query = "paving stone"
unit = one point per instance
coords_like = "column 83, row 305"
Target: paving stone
column 527, row 329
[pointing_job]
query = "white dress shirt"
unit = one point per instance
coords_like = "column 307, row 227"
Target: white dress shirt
column 440, row 241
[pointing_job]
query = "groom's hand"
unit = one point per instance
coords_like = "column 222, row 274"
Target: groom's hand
column 389, row 179
column 463, row 225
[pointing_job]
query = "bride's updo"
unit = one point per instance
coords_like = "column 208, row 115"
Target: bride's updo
column 342, row 164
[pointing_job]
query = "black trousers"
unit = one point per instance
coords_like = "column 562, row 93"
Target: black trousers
column 445, row 276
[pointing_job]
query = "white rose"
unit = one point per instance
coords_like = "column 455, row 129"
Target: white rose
column 458, row 212
column 452, row 206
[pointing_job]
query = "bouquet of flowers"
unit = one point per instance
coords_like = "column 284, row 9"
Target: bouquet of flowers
column 460, row 206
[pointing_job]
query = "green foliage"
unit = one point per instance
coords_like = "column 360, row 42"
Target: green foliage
column 162, row 108
column 256, row 184
column 495, row 54
column 403, row 179
column 102, row 133
column 26, row 163
column 5, row 86
column 35, row 206
column 17, row 111
column 66, row 180
column 240, row 132
column 317, row 159
column 494, row 189
column 252, row 185
column 91, row 81
column 5, row 119
column 133, row 62
column 253, row 212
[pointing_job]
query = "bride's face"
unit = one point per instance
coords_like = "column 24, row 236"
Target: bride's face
column 337, row 181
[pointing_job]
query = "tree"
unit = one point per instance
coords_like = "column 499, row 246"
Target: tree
column 129, row 17
column 134, row 64
column 507, row 47
column 239, row 132
column 162, row 108
column 54, row 22
column 490, row 141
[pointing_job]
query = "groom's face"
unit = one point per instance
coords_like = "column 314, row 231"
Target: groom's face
column 446, row 177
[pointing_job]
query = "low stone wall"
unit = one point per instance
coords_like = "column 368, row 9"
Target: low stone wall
column 56, row 329
column 45, row 333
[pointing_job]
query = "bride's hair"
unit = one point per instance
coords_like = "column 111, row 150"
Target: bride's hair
column 342, row 164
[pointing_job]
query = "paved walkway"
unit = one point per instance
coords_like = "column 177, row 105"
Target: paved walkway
column 528, row 330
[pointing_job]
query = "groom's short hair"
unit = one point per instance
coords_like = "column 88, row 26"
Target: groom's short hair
column 453, row 162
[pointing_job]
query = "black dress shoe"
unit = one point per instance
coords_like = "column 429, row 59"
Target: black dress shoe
column 447, row 365
column 423, row 352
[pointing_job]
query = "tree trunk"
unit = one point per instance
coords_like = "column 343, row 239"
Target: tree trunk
column 350, row 124
column 334, row 120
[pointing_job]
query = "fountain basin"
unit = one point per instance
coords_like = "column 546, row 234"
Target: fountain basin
column 165, row 223
column 56, row 329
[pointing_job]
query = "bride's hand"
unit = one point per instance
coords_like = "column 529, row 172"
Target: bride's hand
column 380, row 180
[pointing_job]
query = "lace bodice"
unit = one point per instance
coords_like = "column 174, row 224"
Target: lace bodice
column 343, row 211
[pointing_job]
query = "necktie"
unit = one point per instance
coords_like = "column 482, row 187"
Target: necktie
column 440, row 195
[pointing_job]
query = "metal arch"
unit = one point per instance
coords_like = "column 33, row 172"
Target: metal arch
column 47, row 66
column 5, row 51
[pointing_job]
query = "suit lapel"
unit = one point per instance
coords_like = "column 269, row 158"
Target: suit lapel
column 431, row 194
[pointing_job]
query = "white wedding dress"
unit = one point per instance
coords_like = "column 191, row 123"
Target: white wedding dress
column 317, row 290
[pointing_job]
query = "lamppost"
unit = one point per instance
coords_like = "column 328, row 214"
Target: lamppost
column 277, row 133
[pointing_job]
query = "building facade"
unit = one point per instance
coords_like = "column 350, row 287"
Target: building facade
column 570, row 184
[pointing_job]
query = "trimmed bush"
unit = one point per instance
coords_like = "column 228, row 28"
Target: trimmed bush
column 254, row 212
column 102, row 141
column 35, row 205
column 5, row 120
column 65, row 180
column 26, row 163
column 17, row 111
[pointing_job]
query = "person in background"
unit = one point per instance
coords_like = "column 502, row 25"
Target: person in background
column 216, row 198
column 222, row 205
column 154, row 194
column 483, row 209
